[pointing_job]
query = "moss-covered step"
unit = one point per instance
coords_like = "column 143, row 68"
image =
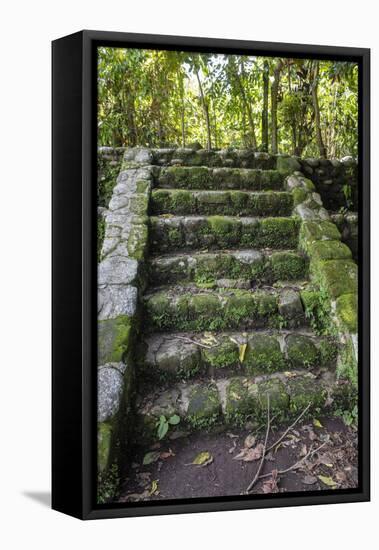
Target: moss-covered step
column 179, row 308
column 203, row 177
column 187, row 156
column 233, row 203
column 210, row 232
column 228, row 268
column 237, row 401
column 166, row 356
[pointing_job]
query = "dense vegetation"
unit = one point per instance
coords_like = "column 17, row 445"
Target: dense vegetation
column 160, row 98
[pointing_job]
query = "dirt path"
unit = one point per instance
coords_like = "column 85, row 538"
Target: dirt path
column 172, row 475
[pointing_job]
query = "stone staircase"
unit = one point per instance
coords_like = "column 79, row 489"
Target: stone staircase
column 223, row 317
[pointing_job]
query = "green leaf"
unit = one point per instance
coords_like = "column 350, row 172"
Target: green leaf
column 162, row 429
column 242, row 351
column 150, row 457
column 174, row 419
column 317, row 423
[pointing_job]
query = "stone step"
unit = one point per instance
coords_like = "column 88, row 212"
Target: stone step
column 201, row 157
column 210, row 232
column 233, row 268
column 233, row 203
column 203, row 177
column 234, row 402
column 180, row 308
column 183, row 355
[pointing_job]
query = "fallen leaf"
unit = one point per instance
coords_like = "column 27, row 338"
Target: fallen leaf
column 328, row 481
column 303, row 450
column 309, row 480
column 154, row 487
column 203, row 459
column 242, row 351
column 150, row 457
column 271, row 485
column 248, row 455
column 249, row 441
column 166, row 454
column 317, row 423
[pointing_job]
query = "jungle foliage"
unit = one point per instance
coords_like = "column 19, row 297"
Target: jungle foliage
column 161, row 98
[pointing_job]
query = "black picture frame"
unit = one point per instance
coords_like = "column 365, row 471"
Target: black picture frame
column 74, row 151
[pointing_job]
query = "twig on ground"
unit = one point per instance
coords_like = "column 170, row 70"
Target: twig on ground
column 264, row 447
column 288, row 429
column 297, row 464
column 195, row 342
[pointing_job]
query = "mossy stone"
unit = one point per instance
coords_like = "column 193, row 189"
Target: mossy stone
column 194, row 177
column 304, row 390
column 278, row 233
column 204, row 407
column 287, row 165
column 299, row 195
column 223, row 355
column 347, row 311
column 226, row 230
column 263, row 355
column 279, row 398
column 329, row 250
column 311, row 231
column 241, row 401
column 287, row 266
column 137, row 241
column 337, row 277
column 114, row 337
column 301, row 351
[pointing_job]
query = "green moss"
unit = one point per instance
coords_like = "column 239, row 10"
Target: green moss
column 142, row 186
column 137, row 241
column 114, row 336
column 301, row 351
column 204, row 407
column 337, row 277
column 174, row 237
column 329, row 250
column 158, row 310
column 311, row 231
column 347, row 311
column 263, row 355
column 317, row 307
column 347, row 366
column 304, row 390
column 194, row 177
column 299, row 195
column 223, row 355
column 279, row 398
column 286, row 266
column 239, row 402
column 328, row 351
column 287, row 165
column 138, row 204
column 227, row 231
column 175, row 201
column 277, row 233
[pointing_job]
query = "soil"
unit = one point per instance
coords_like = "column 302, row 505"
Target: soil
column 172, row 476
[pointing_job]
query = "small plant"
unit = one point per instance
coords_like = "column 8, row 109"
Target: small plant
column 164, row 423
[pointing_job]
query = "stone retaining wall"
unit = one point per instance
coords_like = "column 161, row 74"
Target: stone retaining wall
column 121, row 279
column 332, row 269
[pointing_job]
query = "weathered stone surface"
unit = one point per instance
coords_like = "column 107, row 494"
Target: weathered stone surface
column 290, row 306
column 117, row 270
column 110, row 383
column 204, row 406
column 116, row 300
column 104, row 442
column 114, row 336
column 301, row 351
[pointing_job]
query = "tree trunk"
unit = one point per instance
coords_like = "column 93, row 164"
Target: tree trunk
column 265, row 107
column 206, row 112
column 274, row 107
column 316, row 109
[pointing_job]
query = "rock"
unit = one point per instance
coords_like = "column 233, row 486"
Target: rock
column 113, row 339
column 115, row 300
column 233, row 283
column 290, row 306
column 110, row 383
column 116, row 270
column 287, row 165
